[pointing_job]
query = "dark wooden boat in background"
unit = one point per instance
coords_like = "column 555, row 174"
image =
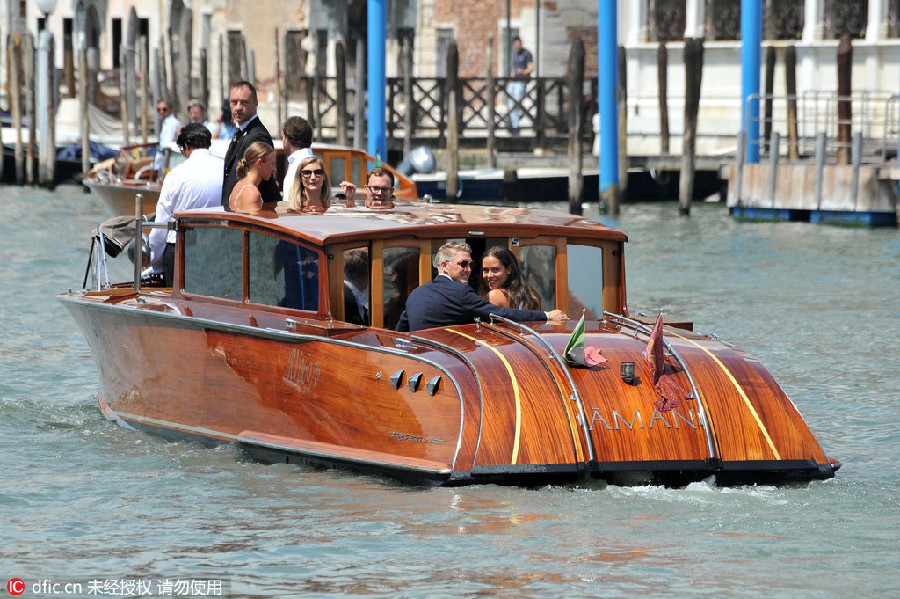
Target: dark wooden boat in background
column 256, row 345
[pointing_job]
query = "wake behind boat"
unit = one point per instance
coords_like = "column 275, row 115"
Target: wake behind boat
column 256, row 345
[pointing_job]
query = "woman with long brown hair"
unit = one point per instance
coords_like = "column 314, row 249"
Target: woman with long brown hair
column 502, row 282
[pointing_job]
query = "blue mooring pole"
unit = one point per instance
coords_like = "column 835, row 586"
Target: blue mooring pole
column 751, row 42
column 377, row 81
column 608, row 73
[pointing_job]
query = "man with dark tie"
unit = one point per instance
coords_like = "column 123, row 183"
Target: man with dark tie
column 244, row 104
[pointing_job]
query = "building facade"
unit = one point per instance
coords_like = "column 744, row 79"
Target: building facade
column 239, row 39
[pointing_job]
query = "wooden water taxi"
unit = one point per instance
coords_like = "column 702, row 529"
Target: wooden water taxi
column 257, row 345
column 117, row 181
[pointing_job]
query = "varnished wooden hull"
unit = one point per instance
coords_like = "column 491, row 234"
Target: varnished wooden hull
column 461, row 405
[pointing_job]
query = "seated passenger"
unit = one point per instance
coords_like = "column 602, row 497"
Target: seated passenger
column 449, row 300
column 502, row 282
column 356, row 285
column 379, row 189
column 301, row 275
column 257, row 165
column 399, row 270
column 311, row 191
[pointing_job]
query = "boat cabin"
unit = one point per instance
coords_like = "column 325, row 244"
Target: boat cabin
column 285, row 261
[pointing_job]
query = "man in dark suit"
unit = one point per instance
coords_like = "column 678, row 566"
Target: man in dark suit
column 449, row 300
column 244, row 104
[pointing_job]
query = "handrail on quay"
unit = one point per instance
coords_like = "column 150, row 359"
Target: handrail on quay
column 874, row 118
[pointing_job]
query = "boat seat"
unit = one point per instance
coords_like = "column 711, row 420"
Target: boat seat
column 139, row 169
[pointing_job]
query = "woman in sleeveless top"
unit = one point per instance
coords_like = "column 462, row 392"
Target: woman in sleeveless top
column 311, row 190
column 256, row 166
column 502, row 282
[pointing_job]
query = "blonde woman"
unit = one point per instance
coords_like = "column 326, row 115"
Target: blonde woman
column 257, row 165
column 311, row 191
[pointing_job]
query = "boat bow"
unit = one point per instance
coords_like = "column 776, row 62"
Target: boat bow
column 534, row 412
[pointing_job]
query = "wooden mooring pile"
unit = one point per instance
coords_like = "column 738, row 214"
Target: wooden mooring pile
column 839, row 172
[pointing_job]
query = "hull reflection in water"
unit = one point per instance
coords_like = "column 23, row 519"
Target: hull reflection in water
column 260, row 344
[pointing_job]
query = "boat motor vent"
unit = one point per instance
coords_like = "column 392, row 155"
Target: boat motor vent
column 432, row 385
column 414, row 382
column 397, row 379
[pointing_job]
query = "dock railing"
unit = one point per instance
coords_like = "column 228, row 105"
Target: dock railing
column 874, row 117
column 812, row 128
column 543, row 110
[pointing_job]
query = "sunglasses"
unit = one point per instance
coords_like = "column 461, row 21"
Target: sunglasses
column 318, row 172
column 162, row 110
column 464, row 263
column 379, row 190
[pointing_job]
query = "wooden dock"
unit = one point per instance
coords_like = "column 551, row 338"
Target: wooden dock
column 843, row 194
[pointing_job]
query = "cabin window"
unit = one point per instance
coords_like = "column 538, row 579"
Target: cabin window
column 337, row 171
column 213, row 262
column 538, row 264
column 585, row 281
column 356, row 286
column 400, row 277
column 283, row 273
column 358, row 165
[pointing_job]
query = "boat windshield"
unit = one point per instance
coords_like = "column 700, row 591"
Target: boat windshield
column 370, row 282
column 281, row 273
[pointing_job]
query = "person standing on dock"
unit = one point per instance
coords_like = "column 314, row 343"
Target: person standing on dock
column 297, row 139
column 195, row 183
column 522, row 66
column 168, row 128
column 244, row 104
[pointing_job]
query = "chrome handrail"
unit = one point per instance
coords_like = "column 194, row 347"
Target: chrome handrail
column 555, row 355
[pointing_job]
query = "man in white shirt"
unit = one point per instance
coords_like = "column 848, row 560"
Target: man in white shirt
column 168, row 129
column 195, row 183
column 297, row 140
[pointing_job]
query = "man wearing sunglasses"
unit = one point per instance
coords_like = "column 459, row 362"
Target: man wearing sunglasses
column 168, row 127
column 450, row 300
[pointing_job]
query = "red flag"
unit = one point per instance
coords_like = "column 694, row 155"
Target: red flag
column 670, row 392
column 656, row 358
